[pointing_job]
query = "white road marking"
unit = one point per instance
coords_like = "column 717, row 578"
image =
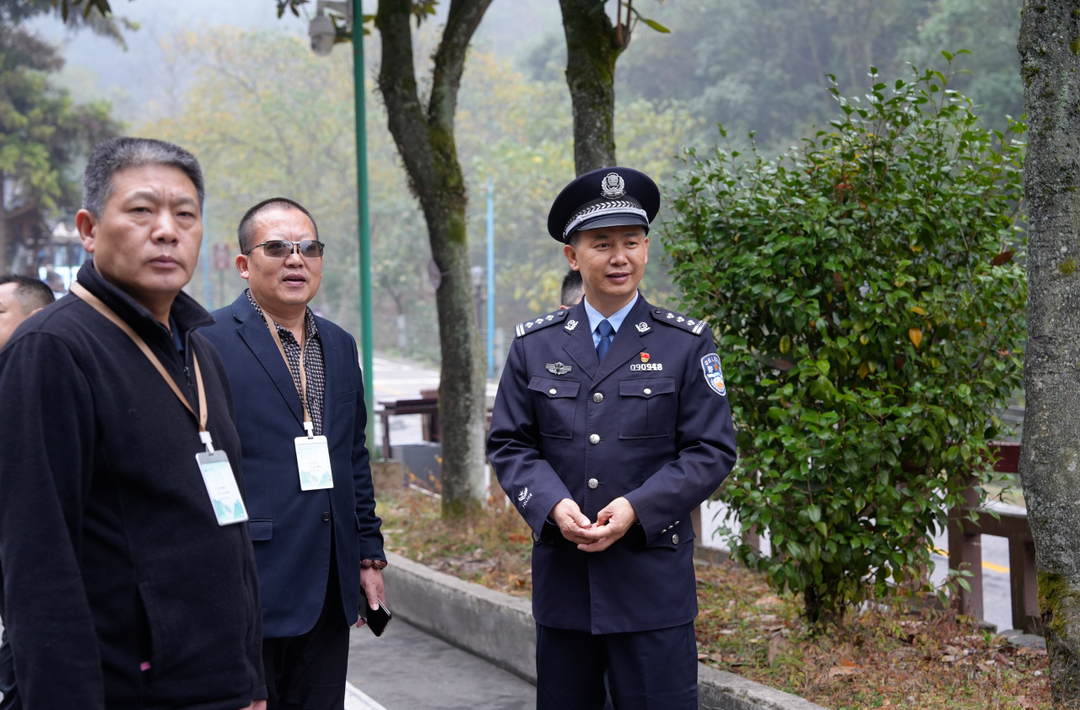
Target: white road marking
column 356, row 699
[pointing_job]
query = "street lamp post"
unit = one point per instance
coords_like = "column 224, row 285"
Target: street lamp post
column 322, row 33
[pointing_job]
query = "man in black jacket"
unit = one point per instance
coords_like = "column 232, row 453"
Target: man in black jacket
column 128, row 582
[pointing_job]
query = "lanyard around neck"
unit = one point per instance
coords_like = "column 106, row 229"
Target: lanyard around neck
column 96, row 303
column 302, row 389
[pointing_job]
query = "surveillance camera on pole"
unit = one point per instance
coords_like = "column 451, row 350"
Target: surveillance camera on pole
column 322, row 32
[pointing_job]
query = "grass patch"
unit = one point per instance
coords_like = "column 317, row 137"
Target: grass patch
column 884, row 656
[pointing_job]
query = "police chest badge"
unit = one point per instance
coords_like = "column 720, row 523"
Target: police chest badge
column 713, row 374
column 557, row 368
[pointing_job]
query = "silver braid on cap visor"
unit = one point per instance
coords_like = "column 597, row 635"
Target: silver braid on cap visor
column 603, row 209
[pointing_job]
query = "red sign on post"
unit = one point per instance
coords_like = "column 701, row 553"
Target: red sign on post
column 221, row 257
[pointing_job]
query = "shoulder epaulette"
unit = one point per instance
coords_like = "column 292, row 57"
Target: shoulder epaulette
column 540, row 322
column 678, row 320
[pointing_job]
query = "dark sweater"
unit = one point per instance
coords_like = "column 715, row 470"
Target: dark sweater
column 110, row 551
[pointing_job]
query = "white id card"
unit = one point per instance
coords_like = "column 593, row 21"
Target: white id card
column 221, row 485
column 313, row 461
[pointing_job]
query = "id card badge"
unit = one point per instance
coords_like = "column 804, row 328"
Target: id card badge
column 221, row 486
column 313, row 461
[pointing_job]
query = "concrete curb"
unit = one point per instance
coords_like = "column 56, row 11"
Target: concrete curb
column 500, row 629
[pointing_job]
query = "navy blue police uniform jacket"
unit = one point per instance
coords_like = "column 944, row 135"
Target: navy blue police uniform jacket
column 291, row 528
column 651, row 424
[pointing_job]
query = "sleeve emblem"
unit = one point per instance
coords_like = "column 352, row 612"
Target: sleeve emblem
column 714, row 376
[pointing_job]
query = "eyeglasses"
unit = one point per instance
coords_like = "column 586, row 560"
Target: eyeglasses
column 281, row 249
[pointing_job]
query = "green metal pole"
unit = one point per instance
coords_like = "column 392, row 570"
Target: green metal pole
column 366, row 340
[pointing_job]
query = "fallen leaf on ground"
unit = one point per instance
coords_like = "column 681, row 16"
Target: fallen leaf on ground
column 842, row 672
column 776, row 644
column 769, row 600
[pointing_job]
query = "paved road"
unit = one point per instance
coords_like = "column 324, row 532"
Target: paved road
column 400, row 379
column 407, row 669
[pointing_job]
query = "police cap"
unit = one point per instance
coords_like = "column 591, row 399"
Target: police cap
column 608, row 197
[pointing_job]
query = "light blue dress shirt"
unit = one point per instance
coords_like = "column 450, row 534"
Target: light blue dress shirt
column 615, row 318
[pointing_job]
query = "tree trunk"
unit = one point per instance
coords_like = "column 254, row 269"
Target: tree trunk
column 425, row 141
column 3, row 224
column 1050, row 460
column 592, row 46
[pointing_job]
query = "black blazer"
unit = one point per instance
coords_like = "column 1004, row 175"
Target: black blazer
column 290, row 528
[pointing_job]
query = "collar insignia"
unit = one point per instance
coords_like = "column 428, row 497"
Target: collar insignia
column 571, row 324
column 613, row 186
column 643, row 327
column 557, row 368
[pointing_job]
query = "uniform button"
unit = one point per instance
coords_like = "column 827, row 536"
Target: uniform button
column 675, row 539
column 594, row 438
column 326, row 517
column 648, row 391
column 598, row 398
column 553, row 391
column 593, row 483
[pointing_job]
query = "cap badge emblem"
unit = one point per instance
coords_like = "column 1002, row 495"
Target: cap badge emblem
column 644, row 357
column 613, row 186
column 557, row 368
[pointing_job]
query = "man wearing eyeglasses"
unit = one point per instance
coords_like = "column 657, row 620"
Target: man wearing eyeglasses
column 300, row 412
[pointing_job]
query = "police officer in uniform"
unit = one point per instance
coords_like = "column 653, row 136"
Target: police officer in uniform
column 610, row 426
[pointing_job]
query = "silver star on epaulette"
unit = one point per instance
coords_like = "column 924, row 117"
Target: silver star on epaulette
column 550, row 317
column 670, row 316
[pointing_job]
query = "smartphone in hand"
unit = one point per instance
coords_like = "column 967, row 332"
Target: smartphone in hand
column 376, row 619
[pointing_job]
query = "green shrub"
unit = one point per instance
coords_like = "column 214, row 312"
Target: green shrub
column 869, row 302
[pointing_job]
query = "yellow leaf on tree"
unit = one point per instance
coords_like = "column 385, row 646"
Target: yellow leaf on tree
column 864, row 339
column 785, row 344
column 916, row 309
column 864, row 370
column 916, row 336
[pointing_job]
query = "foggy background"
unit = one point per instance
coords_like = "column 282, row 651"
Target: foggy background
column 240, row 88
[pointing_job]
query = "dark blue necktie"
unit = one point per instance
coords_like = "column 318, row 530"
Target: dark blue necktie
column 606, row 332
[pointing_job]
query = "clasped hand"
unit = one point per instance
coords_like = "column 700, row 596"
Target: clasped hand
column 611, row 523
